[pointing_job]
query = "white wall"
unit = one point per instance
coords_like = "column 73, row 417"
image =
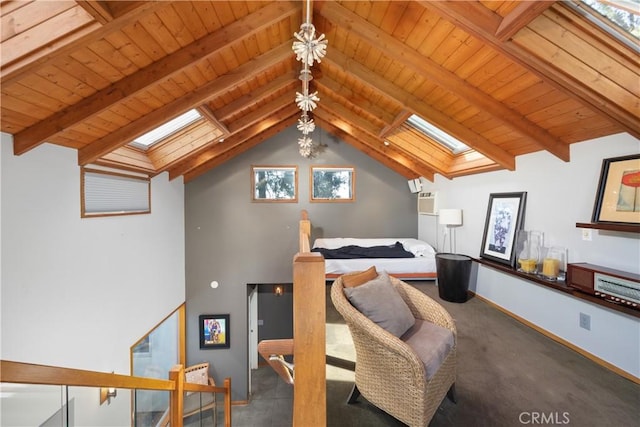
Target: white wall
column 559, row 194
column 79, row 292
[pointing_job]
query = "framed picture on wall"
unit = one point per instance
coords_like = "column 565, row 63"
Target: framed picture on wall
column 274, row 184
column 505, row 216
column 332, row 184
column 618, row 195
column 214, row 331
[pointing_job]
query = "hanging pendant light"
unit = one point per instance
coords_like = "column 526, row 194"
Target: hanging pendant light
column 308, row 49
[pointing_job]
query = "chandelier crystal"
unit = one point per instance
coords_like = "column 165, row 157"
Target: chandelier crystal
column 308, row 49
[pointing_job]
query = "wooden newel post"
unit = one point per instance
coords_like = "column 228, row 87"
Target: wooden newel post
column 309, row 318
column 176, row 399
column 227, row 403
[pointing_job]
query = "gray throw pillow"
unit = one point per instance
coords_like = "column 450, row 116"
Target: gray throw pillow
column 381, row 303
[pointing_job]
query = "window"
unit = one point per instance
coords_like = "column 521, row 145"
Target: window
column 332, row 184
column 113, row 193
column 274, row 183
column 619, row 18
column 161, row 132
column 436, row 134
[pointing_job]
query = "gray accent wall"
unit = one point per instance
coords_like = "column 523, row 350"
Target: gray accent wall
column 235, row 241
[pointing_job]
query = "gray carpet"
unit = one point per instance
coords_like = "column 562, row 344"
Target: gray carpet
column 508, row 375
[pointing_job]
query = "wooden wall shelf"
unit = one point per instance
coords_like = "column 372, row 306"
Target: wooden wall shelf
column 560, row 286
column 628, row 228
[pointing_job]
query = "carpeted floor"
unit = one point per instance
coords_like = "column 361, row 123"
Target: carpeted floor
column 508, row 375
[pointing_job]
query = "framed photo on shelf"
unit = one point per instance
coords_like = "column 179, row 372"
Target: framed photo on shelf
column 274, row 184
column 214, row 331
column 618, row 195
column 505, row 216
column 332, row 184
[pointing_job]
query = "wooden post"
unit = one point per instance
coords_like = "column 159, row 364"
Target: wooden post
column 309, row 353
column 176, row 401
column 227, row 403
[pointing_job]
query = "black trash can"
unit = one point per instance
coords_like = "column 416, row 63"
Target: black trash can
column 453, row 276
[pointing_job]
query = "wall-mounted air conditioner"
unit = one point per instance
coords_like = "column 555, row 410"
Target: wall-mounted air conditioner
column 427, row 203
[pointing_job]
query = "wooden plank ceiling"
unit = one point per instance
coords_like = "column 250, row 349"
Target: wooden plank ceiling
column 505, row 77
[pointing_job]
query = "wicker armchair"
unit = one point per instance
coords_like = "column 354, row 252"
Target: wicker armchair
column 389, row 373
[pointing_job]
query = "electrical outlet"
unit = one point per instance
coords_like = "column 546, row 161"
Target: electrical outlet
column 586, row 234
column 585, row 321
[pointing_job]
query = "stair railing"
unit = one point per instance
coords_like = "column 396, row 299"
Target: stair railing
column 27, row 373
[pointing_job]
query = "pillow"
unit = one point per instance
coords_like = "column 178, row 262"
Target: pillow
column 199, row 375
column 418, row 247
column 382, row 304
column 351, row 280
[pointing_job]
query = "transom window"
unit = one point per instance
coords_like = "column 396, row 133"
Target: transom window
column 436, row 134
column 169, row 128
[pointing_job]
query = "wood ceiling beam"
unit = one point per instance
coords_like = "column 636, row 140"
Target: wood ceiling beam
column 370, row 145
column 256, row 97
column 263, row 113
column 98, row 9
column 464, row 14
column 59, row 48
column 211, row 117
column 399, row 52
column 400, row 118
column 239, row 75
column 355, row 119
column 519, row 17
column 236, row 144
column 346, row 95
column 158, row 71
column 379, row 84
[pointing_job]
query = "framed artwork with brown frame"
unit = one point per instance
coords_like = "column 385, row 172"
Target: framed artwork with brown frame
column 618, row 194
column 214, row 331
column 332, row 183
column 505, row 216
column 274, row 184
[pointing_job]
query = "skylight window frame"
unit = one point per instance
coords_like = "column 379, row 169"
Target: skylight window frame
column 604, row 23
column 439, row 136
column 172, row 127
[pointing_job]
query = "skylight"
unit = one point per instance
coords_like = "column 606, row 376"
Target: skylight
column 161, row 132
column 622, row 16
column 438, row 135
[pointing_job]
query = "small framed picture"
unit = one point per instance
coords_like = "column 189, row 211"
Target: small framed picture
column 214, row 331
column 332, row 184
column 618, row 196
column 505, row 216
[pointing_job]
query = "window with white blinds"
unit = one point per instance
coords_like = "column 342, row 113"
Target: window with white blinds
column 112, row 193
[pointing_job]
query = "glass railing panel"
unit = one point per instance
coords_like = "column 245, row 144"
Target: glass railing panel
column 151, row 408
column 153, row 357
column 33, row 405
column 91, row 407
column 203, row 409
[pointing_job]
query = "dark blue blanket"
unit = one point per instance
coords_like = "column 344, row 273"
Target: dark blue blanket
column 352, row 251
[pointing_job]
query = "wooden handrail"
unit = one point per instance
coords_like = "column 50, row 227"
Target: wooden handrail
column 29, row 373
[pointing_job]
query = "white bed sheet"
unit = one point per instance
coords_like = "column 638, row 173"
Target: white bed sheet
column 424, row 261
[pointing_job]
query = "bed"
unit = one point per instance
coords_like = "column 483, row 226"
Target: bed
column 421, row 264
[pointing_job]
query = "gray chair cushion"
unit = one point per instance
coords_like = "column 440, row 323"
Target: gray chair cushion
column 431, row 342
column 379, row 301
